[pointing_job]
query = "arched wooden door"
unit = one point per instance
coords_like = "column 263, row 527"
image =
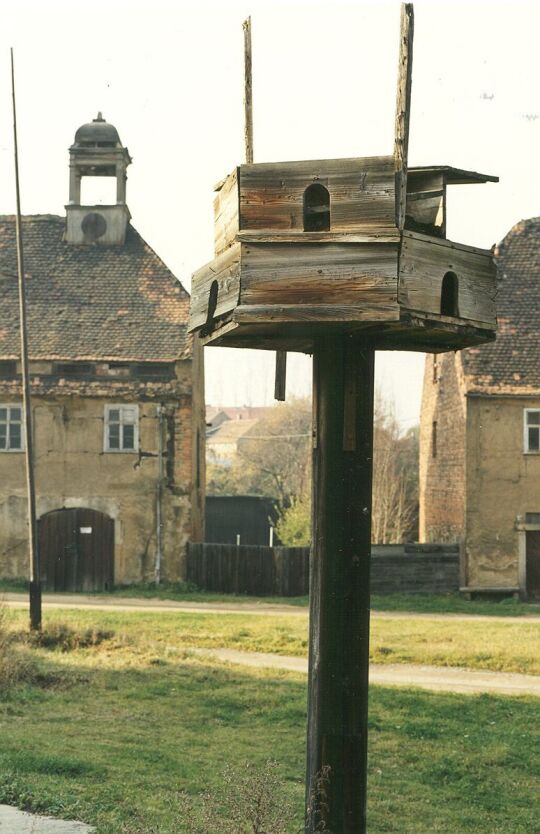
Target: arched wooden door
column 77, row 550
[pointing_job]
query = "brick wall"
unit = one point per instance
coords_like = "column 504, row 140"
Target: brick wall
column 442, row 450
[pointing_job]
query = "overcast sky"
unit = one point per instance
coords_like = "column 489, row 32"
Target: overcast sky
column 169, row 76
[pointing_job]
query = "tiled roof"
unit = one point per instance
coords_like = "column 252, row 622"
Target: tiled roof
column 231, row 431
column 90, row 301
column 511, row 364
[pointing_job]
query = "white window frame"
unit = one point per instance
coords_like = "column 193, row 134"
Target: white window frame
column 526, row 427
column 122, row 422
column 8, row 406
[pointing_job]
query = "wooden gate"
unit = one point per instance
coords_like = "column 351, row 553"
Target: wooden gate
column 77, row 550
column 533, row 563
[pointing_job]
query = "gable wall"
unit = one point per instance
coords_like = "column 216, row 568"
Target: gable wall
column 442, row 478
column 503, row 484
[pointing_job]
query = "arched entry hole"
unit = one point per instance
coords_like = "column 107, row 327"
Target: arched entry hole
column 449, row 295
column 316, row 208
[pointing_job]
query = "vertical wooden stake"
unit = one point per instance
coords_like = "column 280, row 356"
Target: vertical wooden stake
column 33, row 544
column 403, row 109
column 248, row 93
column 339, row 587
column 281, row 355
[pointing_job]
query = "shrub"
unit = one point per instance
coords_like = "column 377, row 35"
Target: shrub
column 62, row 637
column 14, row 666
column 249, row 801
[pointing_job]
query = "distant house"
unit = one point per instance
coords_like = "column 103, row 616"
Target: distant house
column 226, row 427
column 222, row 445
column 117, row 392
column 480, row 435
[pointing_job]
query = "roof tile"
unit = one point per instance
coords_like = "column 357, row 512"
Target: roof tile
column 90, row 301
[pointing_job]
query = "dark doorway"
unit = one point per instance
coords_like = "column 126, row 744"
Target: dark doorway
column 532, row 564
column 77, row 550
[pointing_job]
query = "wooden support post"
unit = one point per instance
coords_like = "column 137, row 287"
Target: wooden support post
column 339, row 586
column 403, row 109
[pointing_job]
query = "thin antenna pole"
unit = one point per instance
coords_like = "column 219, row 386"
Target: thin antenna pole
column 248, row 93
column 35, row 572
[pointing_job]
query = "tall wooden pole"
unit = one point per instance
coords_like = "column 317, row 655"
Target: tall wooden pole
column 248, row 93
column 33, row 545
column 339, row 587
column 281, row 355
column 403, row 109
column 341, row 549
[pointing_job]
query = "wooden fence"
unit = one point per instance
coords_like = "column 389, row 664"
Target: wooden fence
column 284, row 571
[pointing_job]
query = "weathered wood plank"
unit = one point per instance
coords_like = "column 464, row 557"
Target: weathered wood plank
column 226, row 213
column 403, row 109
column 225, row 270
column 315, row 274
column 362, row 194
column 299, row 236
column 447, row 244
column 423, row 265
column 315, row 313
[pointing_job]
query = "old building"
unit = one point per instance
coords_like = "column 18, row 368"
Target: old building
column 480, row 435
column 117, row 392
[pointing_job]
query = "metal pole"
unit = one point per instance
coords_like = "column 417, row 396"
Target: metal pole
column 339, row 586
column 33, row 544
column 159, row 492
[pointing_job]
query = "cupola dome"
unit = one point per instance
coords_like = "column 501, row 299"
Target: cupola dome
column 97, row 134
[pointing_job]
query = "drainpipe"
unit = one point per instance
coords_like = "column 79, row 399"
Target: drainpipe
column 159, row 489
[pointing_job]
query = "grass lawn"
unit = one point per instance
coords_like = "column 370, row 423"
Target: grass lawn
column 421, row 603
column 114, row 731
column 512, row 646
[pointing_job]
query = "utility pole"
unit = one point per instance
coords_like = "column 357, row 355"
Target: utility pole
column 33, row 544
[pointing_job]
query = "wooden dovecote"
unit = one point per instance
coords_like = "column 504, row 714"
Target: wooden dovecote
column 344, row 246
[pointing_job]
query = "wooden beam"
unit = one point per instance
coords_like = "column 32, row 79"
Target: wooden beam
column 339, row 587
column 403, row 109
column 248, row 93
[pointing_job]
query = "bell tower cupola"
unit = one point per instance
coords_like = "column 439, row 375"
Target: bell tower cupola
column 97, row 152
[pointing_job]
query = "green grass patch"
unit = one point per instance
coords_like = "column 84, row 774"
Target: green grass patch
column 512, row 646
column 139, row 722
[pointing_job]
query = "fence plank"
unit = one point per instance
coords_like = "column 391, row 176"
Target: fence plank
column 284, row 571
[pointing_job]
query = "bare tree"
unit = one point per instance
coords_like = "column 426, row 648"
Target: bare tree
column 394, row 495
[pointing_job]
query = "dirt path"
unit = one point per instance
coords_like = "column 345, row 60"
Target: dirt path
column 112, row 603
column 436, row 678
column 13, row 821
